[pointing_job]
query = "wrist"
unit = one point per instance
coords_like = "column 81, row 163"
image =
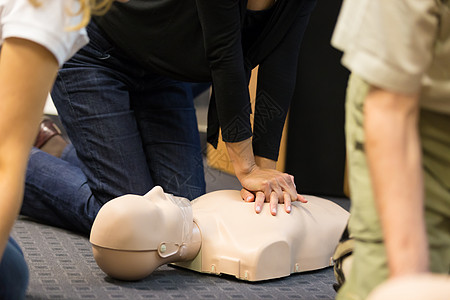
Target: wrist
column 241, row 156
column 265, row 163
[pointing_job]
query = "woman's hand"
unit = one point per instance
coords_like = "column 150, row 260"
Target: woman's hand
column 268, row 185
column 260, row 181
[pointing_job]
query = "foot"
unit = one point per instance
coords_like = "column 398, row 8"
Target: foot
column 49, row 138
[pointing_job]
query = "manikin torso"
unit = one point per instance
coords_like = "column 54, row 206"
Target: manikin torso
column 219, row 234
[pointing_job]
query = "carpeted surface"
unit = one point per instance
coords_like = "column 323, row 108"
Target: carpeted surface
column 62, row 266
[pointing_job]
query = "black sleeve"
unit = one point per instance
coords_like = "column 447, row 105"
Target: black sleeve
column 276, row 84
column 221, row 24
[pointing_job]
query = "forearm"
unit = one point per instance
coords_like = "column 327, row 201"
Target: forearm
column 276, row 86
column 394, row 158
column 27, row 72
column 259, row 4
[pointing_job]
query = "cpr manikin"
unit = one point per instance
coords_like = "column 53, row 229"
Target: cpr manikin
column 217, row 233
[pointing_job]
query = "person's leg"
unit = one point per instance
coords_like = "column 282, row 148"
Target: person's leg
column 69, row 155
column 199, row 88
column 435, row 137
column 369, row 267
column 168, row 126
column 57, row 193
column 91, row 95
column 13, row 273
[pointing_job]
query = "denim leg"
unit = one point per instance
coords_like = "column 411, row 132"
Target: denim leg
column 57, row 193
column 92, row 95
column 95, row 110
column 169, row 130
column 70, row 155
column 130, row 128
column 13, row 273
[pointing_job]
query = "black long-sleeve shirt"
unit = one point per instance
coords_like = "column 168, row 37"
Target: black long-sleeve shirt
column 220, row 41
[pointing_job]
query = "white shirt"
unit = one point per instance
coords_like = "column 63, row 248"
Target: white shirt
column 45, row 25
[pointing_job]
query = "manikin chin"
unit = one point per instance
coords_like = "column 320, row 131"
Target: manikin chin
column 217, row 233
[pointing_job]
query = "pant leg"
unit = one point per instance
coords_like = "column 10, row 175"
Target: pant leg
column 92, row 99
column 435, row 138
column 200, row 87
column 69, row 155
column 168, row 126
column 369, row 266
column 92, row 95
column 57, row 193
column 13, row 273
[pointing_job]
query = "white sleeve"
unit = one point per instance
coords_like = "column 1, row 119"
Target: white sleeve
column 45, row 25
column 389, row 43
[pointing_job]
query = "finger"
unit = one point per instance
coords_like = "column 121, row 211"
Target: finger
column 287, row 203
column 293, row 181
column 273, row 203
column 259, row 201
column 301, row 199
column 267, row 190
column 287, row 184
column 275, row 185
column 247, row 196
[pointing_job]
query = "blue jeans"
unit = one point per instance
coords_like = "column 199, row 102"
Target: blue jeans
column 131, row 129
column 13, row 273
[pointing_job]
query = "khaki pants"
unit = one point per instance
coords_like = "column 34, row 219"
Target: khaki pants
column 369, row 267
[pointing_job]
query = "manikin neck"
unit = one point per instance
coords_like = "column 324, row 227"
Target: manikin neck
column 190, row 249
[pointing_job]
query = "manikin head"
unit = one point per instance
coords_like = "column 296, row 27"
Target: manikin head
column 133, row 235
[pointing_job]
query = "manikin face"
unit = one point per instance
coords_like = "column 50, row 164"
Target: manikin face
column 146, row 229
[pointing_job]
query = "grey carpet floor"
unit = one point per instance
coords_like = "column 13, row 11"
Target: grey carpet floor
column 62, row 266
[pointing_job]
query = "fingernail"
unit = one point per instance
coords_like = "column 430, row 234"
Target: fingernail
column 248, row 199
column 258, row 208
column 288, row 208
column 274, row 210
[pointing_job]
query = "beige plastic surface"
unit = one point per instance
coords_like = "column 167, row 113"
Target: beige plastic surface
column 133, row 235
column 141, row 223
column 416, row 287
column 253, row 247
column 136, row 265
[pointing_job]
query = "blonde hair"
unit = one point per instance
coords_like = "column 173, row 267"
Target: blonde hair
column 87, row 8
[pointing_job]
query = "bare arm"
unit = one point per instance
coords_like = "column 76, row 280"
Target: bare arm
column 259, row 4
column 394, row 158
column 27, row 72
column 261, row 179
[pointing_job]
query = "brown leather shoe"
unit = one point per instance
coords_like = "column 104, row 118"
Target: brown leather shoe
column 47, row 130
